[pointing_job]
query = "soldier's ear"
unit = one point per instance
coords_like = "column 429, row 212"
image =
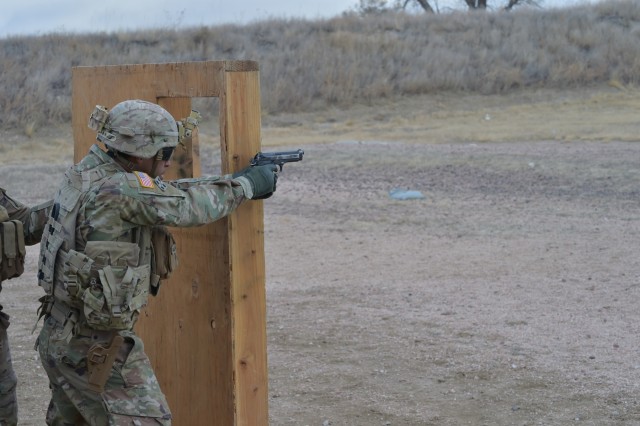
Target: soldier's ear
column 136, row 160
column 140, row 164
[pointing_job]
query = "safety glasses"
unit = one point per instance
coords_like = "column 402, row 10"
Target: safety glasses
column 165, row 154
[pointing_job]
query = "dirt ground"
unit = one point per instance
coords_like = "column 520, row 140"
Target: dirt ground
column 508, row 295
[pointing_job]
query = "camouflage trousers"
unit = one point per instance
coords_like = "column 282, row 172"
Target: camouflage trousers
column 8, row 381
column 132, row 395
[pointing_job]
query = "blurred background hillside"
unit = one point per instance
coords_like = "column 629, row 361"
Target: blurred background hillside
column 308, row 65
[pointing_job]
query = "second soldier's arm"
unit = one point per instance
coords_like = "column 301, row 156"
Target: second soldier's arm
column 33, row 218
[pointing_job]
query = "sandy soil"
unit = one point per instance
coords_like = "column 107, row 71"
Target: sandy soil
column 507, row 296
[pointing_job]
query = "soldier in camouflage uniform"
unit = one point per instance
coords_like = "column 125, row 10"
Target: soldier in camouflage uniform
column 105, row 249
column 12, row 241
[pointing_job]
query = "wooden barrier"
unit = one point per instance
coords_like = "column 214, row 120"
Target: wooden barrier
column 205, row 333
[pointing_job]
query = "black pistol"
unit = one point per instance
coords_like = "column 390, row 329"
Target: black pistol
column 278, row 158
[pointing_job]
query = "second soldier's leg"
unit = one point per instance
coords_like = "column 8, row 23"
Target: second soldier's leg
column 8, row 381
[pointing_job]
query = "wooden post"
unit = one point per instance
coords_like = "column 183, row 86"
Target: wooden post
column 205, row 333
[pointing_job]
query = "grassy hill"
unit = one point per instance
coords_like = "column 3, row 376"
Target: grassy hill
column 308, row 66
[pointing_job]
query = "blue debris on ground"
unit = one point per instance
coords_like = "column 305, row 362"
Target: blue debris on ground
column 405, row 194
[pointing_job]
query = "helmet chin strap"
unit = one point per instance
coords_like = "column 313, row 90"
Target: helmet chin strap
column 130, row 167
column 153, row 168
column 124, row 162
column 162, row 156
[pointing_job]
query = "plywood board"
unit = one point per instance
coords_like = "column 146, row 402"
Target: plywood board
column 206, row 332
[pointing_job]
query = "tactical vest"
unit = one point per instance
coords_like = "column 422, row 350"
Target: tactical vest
column 12, row 249
column 105, row 285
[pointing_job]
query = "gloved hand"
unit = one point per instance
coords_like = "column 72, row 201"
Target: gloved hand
column 261, row 178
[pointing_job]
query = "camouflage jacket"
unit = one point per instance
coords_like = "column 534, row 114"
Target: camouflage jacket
column 98, row 259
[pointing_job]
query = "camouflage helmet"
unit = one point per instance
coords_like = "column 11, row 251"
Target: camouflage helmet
column 135, row 127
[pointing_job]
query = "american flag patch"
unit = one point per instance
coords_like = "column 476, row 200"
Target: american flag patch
column 144, row 179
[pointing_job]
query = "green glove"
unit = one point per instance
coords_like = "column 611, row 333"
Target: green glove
column 261, row 178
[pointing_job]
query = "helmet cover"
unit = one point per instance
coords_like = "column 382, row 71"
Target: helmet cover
column 135, row 127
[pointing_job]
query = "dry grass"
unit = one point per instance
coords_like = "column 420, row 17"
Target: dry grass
column 347, row 60
column 604, row 113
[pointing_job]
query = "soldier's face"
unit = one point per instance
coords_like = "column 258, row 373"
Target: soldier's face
column 152, row 167
column 160, row 167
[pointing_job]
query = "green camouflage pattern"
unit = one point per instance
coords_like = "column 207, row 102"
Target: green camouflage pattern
column 121, row 203
column 8, row 380
column 112, row 205
column 139, row 128
column 132, row 394
column 34, row 220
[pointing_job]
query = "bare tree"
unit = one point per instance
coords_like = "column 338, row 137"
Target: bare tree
column 478, row 4
column 513, row 3
column 510, row 4
column 423, row 3
column 377, row 6
column 471, row 4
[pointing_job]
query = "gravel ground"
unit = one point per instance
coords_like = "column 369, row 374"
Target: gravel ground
column 506, row 296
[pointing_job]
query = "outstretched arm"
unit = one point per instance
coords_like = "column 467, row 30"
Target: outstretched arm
column 33, row 218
